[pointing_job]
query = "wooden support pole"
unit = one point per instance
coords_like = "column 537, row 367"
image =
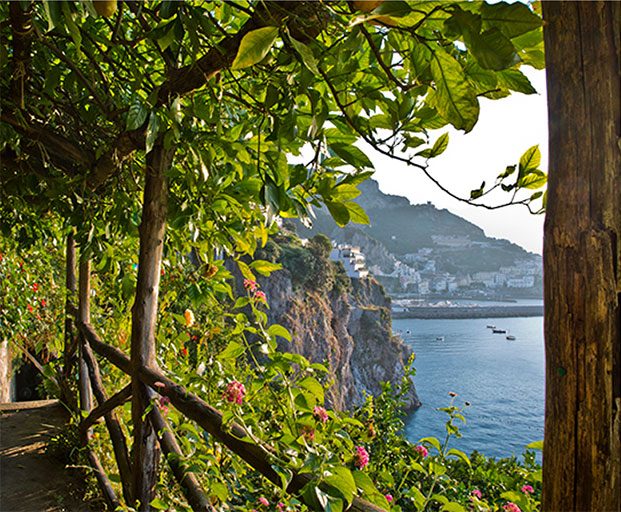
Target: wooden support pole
column 582, row 258
column 112, row 403
column 70, row 346
column 112, row 423
column 187, row 480
column 145, row 450
column 104, row 484
column 86, row 399
column 210, row 419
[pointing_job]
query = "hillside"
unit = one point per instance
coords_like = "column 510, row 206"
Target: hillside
column 399, row 229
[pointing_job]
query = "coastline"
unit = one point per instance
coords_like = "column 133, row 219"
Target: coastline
column 469, row 312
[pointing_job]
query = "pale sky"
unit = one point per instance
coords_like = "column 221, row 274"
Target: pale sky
column 506, row 128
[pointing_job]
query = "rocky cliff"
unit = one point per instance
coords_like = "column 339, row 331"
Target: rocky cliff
column 347, row 328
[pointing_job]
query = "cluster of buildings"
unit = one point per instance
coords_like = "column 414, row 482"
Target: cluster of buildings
column 417, row 273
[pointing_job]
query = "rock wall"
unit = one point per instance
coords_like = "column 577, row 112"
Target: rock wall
column 348, row 331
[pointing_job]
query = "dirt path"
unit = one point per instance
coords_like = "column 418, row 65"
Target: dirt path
column 30, row 480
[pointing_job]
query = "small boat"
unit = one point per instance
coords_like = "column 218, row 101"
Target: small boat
column 499, row 331
column 407, row 332
column 491, row 327
column 440, row 338
column 511, row 337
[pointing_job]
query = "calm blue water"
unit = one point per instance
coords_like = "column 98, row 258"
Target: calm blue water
column 502, row 379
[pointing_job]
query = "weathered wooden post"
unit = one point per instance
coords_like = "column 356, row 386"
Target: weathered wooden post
column 582, row 258
column 145, row 458
column 84, row 312
column 70, row 338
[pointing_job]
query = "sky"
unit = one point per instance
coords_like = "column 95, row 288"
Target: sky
column 506, row 129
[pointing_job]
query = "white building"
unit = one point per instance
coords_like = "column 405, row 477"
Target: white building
column 353, row 260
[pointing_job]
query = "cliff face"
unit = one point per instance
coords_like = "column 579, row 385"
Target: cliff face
column 348, row 331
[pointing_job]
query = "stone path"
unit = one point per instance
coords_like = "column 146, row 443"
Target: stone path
column 30, row 480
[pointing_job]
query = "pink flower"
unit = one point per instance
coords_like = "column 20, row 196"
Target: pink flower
column 159, row 384
column 361, row 457
column 422, row 450
column 281, row 507
column 527, row 489
column 320, row 414
column 388, row 498
column 264, row 501
column 511, row 507
column 476, row 493
column 251, row 285
column 164, row 400
column 260, row 295
column 235, row 392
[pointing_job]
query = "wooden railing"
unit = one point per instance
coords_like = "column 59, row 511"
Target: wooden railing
column 259, row 456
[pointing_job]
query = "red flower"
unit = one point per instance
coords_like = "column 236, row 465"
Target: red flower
column 43, row 302
column 184, row 351
column 30, row 308
column 35, row 287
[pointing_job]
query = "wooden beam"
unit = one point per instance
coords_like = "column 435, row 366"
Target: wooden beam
column 86, row 399
column 112, row 403
column 117, row 437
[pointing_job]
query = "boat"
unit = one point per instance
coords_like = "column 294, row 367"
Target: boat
column 440, row 338
column 511, row 337
column 499, row 331
column 491, row 327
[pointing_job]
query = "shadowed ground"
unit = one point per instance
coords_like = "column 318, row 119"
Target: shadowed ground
column 31, row 480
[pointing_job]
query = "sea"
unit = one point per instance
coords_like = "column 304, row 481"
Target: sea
column 503, row 380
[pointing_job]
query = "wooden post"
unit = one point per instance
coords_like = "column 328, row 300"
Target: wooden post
column 70, row 345
column 582, row 262
column 84, row 312
column 146, row 453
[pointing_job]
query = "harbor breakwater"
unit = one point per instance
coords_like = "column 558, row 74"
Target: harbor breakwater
column 469, row 312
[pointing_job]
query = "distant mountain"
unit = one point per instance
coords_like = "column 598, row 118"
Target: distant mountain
column 399, row 230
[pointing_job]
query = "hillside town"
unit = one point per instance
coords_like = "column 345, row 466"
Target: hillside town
column 418, row 273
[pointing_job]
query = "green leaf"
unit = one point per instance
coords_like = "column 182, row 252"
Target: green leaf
column 459, row 454
column 432, row 441
column 456, row 99
column 453, row 506
column 254, row 47
column 136, row 116
column 345, row 191
column 159, row 504
column 515, row 80
column 232, row 351
column 265, row 268
column 440, row 145
column 370, row 493
column 352, row 155
column 533, row 181
column 307, row 56
column 152, row 131
column 313, row 386
column 511, row 19
column 279, row 330
column 339, row 212
column 493, row 50
column 535, row 445
column 341, row 478
column 357, row 213
column 530, row 160
column 245, row 270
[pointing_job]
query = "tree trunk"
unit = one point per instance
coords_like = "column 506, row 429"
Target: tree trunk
column 582, row 282
column 144, row 314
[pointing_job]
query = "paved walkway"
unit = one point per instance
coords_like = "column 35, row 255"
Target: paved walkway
column 30, row 481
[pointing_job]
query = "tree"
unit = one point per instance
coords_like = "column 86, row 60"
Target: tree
column 171, row 122
column 582, row 259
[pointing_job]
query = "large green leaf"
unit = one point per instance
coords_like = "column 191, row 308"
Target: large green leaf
column 530, row 160
column 511, row 19
column 357, row 213
column 341, row 478
column 307, row 56
column 515, row 80
column 493, row 50
column 456, row 99
column 254, row 47
column 136, row 116
column 339, row 212
column 352, row 155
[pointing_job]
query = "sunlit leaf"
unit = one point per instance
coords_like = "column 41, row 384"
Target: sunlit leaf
column 254, row 47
